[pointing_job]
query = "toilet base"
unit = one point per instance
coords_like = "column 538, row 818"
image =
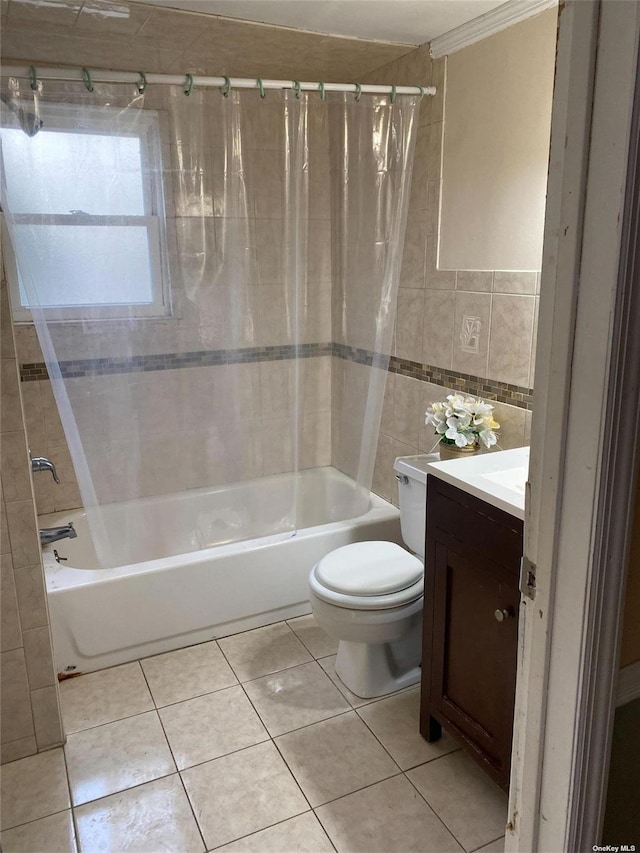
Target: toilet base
column 370, row 670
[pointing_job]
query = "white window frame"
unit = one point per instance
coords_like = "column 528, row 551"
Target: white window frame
column 143, row 124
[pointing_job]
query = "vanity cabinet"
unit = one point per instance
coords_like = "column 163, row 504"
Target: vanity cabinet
column 471, row 601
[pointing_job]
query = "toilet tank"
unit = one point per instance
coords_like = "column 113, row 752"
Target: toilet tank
column 412, row 497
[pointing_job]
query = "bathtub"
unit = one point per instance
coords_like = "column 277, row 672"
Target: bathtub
column 178, row 588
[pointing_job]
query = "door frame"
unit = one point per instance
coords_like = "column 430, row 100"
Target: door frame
column 585, row 434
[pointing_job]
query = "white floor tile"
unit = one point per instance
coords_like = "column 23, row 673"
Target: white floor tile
column 242, row 793
column 104, row 696
column 389, row 816
column 186, row 673
column 494, row 847
column 33, row 787
column 464, row 798
column 152, row 817
column 110, row 758
column 264, row 650
column 53, row 834
column 335, row 757
column 295, row 698
column 302, row 834
column 209, row 726
column 396, row 723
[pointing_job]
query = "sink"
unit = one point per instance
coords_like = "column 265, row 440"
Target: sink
column 510, row 478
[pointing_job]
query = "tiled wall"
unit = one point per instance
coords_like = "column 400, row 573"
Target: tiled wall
column 199, row 426
column 210, row 421
column 371, row 188
column 204, row 397
column 29, row 699
column 433, row 305
column 126, row 36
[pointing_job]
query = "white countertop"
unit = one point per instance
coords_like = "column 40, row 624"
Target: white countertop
column 498, row 477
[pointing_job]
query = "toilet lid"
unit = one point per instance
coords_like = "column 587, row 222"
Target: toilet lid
column 369, row 568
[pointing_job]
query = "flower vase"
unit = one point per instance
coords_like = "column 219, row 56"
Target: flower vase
column 452, row 451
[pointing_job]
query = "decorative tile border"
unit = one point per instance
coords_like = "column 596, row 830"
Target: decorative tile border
column 362, row 356
column 514, row 395
column 489, row 389
column 173, row 360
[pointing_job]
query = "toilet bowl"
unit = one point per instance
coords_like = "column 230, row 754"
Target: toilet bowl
column 369, row 596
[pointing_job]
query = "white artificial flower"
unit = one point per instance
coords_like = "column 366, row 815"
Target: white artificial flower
column 435, row 416
column 452, row 434
column 482, row 412
column 460, row 419
column 460, row 438
column 456, row 404
column 463, row 420
column 487, row 437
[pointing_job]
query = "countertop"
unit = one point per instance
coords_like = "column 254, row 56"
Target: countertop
column 498, row 477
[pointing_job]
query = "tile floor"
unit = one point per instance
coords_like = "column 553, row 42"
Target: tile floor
column 250, row 743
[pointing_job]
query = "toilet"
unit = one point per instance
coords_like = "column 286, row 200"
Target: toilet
column 368, row 595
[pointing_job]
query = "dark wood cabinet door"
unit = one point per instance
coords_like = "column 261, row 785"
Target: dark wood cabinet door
column 474, row 667
column 471, row 625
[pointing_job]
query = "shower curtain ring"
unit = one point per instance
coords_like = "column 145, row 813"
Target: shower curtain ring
column 142, row 84
column 187, row 89
column 260, row 85
column 358, row 91
column 296, row 86
column 34, row 77
column 226, row 88
column 87, row 79
column 323, row 94
column 393, row 95
column 421, row 91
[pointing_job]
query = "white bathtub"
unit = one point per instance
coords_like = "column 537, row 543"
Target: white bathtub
column 106, row 616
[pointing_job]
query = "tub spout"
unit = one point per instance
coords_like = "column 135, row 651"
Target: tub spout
column 53, row 534
column 40, row 463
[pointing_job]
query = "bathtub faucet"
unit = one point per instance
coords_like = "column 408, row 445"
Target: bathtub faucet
column 39, row 463
column 53, row 534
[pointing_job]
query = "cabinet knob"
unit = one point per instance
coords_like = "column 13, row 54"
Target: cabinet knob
column 501, row 615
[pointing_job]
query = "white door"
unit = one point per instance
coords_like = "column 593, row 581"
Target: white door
column 584, row 436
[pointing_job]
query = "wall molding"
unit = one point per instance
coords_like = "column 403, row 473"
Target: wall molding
column 486, row 25
column 628, row 684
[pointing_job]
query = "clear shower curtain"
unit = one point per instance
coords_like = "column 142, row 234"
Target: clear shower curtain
column 212, row 276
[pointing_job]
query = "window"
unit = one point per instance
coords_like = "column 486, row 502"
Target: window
column 86, row 201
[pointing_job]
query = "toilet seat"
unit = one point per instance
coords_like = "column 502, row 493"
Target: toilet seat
column 368, row 576
column 369, row 568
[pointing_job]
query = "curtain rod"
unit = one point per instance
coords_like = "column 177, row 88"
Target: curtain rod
column 194, row 81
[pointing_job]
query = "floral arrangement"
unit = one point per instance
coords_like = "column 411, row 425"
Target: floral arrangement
column 463, row 421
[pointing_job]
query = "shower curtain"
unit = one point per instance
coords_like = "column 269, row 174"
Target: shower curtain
column 212, row 276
